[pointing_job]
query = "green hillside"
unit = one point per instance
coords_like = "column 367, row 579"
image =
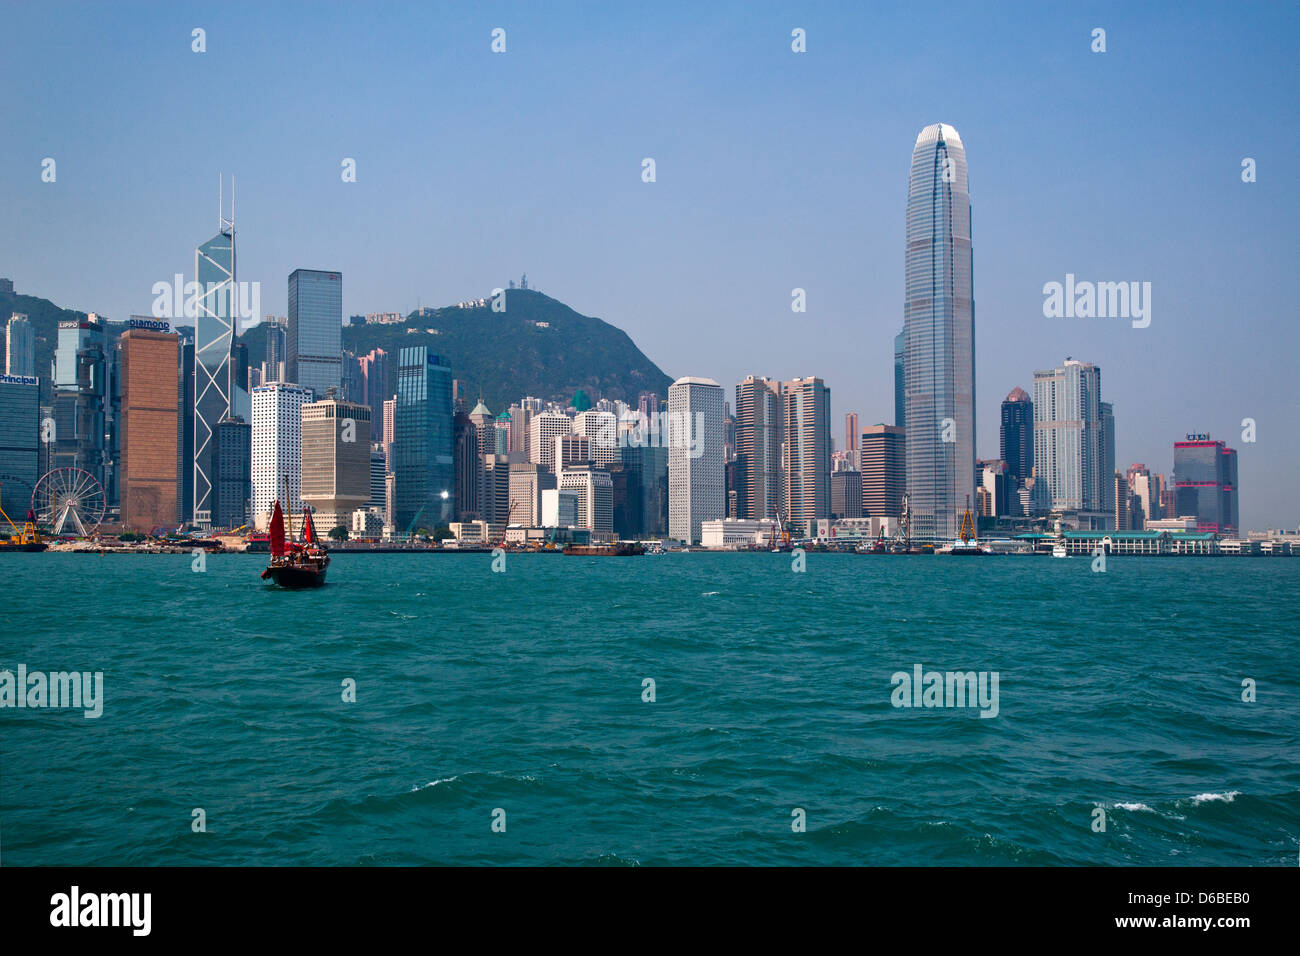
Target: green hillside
column 504, row 356
column 501, row 356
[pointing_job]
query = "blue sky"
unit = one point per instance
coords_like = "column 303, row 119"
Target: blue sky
column 775, row 170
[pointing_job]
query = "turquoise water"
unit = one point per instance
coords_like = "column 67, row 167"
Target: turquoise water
column 523, row 691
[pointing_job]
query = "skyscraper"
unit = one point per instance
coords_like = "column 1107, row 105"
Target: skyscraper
column 806, row 451
column 646, row 466
column 884, row 475
column 149, row 429
column 696, row 491
column 601, row 430
column 1205, row 483
column 1069, row 444
column 374, row 374
column 468, row 469
column 544, row 428
column 939, row 326
column 277, row 448
column 423, row 455
column 595, row 491
column 527, row 482
column 20, row 347
column 852, row 438
column 81, row 397
column 335, row 460
column 758, row 448
column 1107, row 451
column 232, row 469
column 185, row 427
column 276, row 367
column 846, row 494
column 1017, row 436
column 19, row 441
column 315, row 335
column 214, row 329
column 1145, row 493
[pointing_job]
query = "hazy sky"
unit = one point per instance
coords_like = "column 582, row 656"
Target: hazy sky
column 775, row 170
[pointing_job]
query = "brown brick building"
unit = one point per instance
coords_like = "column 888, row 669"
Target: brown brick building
column 149, row 410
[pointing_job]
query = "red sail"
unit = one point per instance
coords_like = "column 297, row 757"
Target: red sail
column 277, row 532
column 308, row 528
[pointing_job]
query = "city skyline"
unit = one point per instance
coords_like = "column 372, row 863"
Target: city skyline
column 1090, row 210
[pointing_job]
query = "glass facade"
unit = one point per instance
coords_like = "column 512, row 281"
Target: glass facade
column 1069, row 438
column 758, row 448
column 939, row 331
column 19, row 442
column 1017, row 439
column 232, row 469
column 1205, row 484
column 422, row 452
column 900, row 379
column 214, row 269
column 81, row 398
column 315, row 336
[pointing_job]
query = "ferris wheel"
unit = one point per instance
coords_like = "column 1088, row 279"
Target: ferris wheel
column 69, row 500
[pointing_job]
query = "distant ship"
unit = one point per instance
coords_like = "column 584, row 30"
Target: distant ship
column 295, row 565
column 966, row 543
column 619, row 549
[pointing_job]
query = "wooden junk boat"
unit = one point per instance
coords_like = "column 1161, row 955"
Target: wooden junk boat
column 295, row 565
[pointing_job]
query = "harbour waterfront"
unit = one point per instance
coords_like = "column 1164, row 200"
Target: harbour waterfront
column 523, row 691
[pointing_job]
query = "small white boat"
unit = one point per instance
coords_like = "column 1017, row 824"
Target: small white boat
column 1058, row 550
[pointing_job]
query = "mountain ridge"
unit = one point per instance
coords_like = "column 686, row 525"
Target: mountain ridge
column 536, row 346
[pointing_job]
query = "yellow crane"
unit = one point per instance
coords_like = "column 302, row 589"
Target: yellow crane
column 22, row 538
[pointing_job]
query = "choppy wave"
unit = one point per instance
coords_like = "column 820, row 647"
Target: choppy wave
column 478, row 692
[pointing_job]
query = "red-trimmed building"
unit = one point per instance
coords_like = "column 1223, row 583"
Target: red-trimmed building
column 1205, row 483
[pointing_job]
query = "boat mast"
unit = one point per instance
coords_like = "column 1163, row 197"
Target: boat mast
column 288, row 507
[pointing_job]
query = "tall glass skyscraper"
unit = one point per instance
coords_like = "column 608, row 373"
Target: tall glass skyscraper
column 1069, row 438
column 315, row 339
column 1205, row 482
column 81, row 397
column 423, row 459
column 939, row 327
column 1017, row 437
column 214, row 325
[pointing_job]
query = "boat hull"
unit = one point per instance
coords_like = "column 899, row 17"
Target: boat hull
column 294, row 577
column 620, row 550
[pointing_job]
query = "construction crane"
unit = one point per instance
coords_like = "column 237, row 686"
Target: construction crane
column 967, row 532
column 507, row 524
column 779, row 529
column 411, row 527
column 27, row 536
column 903, row 536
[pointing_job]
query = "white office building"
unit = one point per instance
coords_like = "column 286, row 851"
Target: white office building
column 277, row 447
column 595, row 491
column 601, row 430
column 696, row 486
column 543, row 429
